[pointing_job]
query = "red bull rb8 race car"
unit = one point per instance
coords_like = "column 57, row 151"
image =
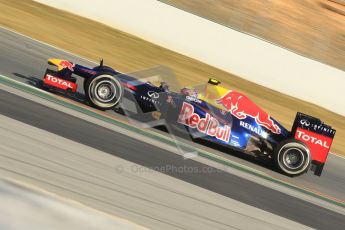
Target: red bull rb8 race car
column 207, row 111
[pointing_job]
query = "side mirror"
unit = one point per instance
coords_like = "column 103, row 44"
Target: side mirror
column 101, row 62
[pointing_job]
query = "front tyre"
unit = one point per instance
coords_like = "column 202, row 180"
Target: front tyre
column 292, row 157
column 103, row 91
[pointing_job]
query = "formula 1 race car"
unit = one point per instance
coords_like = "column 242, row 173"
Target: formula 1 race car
column 207, row 111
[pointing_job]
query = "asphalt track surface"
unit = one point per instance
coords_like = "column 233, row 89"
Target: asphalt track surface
column 24, row 60
column 123, row 189
column 47, row 211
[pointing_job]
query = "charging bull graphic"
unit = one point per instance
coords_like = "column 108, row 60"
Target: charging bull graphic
column 66, row 64
column 240, row 106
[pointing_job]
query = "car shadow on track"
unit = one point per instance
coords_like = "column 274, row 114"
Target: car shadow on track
column 33, row 81
column 38, row 83
column 263, row 162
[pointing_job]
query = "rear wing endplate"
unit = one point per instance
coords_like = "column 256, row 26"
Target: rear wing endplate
column 317, row 136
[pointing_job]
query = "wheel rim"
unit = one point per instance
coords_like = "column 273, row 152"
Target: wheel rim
column 105, row 91
column 293, row 158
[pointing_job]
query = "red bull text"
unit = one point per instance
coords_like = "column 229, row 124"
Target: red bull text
column 207, row 125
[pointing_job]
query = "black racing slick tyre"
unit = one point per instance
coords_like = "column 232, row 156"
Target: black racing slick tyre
column 103, row 91
column 292, row 157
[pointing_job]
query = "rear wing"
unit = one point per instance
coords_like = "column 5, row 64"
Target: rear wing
column 317, row 136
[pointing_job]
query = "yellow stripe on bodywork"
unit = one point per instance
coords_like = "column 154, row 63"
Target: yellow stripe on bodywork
column 211, row 93
column 56, row 62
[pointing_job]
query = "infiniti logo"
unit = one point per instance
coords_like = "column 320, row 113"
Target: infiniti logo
column 153, row 94
column 305, row 122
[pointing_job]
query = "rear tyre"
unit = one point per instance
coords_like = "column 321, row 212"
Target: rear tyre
column 292, row 157
column 103, row 91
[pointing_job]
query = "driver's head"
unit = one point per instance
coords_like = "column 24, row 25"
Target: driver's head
column 189, row 92
column 164, row 86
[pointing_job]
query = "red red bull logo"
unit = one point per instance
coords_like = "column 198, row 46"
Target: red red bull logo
column 241, row 107
column 66, row 64
column 208, row 125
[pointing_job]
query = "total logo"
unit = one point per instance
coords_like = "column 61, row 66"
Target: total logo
column 59, row 81
column 208, row 125
column 307, row 137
